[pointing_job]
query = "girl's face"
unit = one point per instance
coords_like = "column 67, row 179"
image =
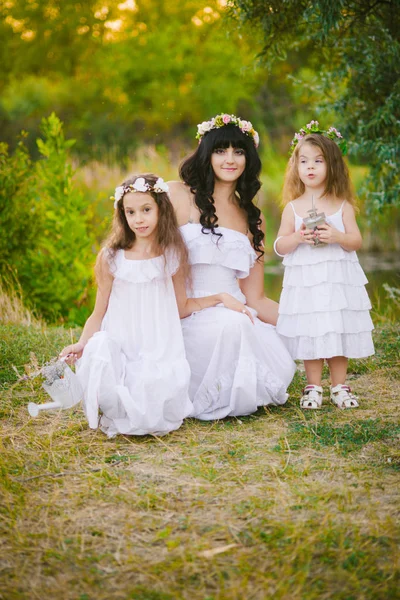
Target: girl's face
column 228, row 163
column 312, row 166
column 141, row 212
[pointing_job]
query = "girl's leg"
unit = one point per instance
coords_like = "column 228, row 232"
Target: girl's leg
column 341, row 394
column 312, row 393
column 314, row 371
column 338, row 370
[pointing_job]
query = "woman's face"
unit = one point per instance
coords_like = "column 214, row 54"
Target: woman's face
column 228, row 163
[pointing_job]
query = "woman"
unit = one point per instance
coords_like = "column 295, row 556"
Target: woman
column 236, row 365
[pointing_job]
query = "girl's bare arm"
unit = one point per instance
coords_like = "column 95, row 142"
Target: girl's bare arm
column 350, row 239
column 288, row 239
column 187, row 306
column 93, row 324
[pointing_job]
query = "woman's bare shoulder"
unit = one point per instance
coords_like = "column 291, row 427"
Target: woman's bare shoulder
column 177, row 190
column 180, row 196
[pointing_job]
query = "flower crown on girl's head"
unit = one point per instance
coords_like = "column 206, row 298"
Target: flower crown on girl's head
column 140, row 185
column 225, row 119
column 313, row 127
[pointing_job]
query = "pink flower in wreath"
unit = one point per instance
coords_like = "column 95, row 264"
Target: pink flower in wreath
column 246, row 126
column 226, row 119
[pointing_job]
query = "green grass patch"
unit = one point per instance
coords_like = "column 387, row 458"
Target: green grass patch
column 19, row 344
column 346, row 437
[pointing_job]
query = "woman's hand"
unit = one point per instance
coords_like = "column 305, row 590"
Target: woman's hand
column 328, row 234
column 230, row 302
column 73, row 352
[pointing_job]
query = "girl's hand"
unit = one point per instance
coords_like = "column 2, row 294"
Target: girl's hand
column 230, row 302
column 307, row 236
column 328, row 234
column 73, row 351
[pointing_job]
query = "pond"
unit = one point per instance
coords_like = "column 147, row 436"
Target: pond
column 380, row 269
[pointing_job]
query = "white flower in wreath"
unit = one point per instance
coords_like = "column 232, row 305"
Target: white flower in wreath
column 118, row 194
column 203, row 127
column 160, row 186
column 140, row 185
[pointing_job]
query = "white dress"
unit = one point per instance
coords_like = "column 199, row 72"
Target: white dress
column 134, row 370
column 324, row 306
column 235, row 366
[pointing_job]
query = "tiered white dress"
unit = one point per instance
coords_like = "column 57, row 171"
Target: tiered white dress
column 324, row 306
column 235, row 366
column 134, row 370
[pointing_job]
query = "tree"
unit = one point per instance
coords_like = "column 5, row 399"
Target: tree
column 120, row 73
column 356, row 49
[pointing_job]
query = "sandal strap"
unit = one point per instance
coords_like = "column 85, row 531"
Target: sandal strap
column 312, row 397
column 342, row 397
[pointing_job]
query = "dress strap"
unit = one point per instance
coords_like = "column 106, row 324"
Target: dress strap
column 342, row 205
column 294, row 212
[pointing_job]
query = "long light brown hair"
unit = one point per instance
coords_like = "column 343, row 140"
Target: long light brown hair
column 338, row 183
column 121, row 236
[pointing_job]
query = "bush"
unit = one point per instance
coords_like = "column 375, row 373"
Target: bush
column 46, row 240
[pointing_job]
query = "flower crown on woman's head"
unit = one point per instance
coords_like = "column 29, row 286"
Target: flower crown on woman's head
column 313, row 127
column 225, row 119
column 140, row 185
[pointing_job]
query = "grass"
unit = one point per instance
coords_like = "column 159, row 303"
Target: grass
column 282, row 504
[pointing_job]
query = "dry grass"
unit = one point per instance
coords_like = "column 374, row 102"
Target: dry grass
column 282, row 504
column 12, row 309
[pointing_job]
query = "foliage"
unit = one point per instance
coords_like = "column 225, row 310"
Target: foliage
column 121, row 72
column 46, row 241
column 355, row 50
column 19, row 219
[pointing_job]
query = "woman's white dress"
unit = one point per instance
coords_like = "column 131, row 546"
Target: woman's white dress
column 324, row 306
column 235, row 366
column 134, row 371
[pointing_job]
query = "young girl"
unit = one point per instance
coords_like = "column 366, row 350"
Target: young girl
column 133, row 366
column 324, row 307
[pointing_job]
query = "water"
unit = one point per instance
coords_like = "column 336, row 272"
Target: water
column 379, row 268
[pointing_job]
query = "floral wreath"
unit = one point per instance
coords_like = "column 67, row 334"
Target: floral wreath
column 140, row 185
column 313, row 127
column 225, row 119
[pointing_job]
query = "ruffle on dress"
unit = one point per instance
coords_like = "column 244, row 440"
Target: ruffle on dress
column 233, row 250
column 142, row 271
column 348, row 272
column 308, row 255
column 323, row 297
column 352, row 345
column 324, row 306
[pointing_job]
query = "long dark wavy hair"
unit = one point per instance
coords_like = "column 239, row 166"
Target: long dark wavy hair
column 196, row 171
column 122, row 237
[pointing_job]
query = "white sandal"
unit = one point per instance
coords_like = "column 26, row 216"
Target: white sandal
column 312, row 397
column 342, row 397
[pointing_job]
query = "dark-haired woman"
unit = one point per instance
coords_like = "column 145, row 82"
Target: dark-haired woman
column 236, row 366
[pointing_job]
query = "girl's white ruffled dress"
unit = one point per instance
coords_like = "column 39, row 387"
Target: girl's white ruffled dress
column 235, row 366
column 134, row 371
column 324, row 306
